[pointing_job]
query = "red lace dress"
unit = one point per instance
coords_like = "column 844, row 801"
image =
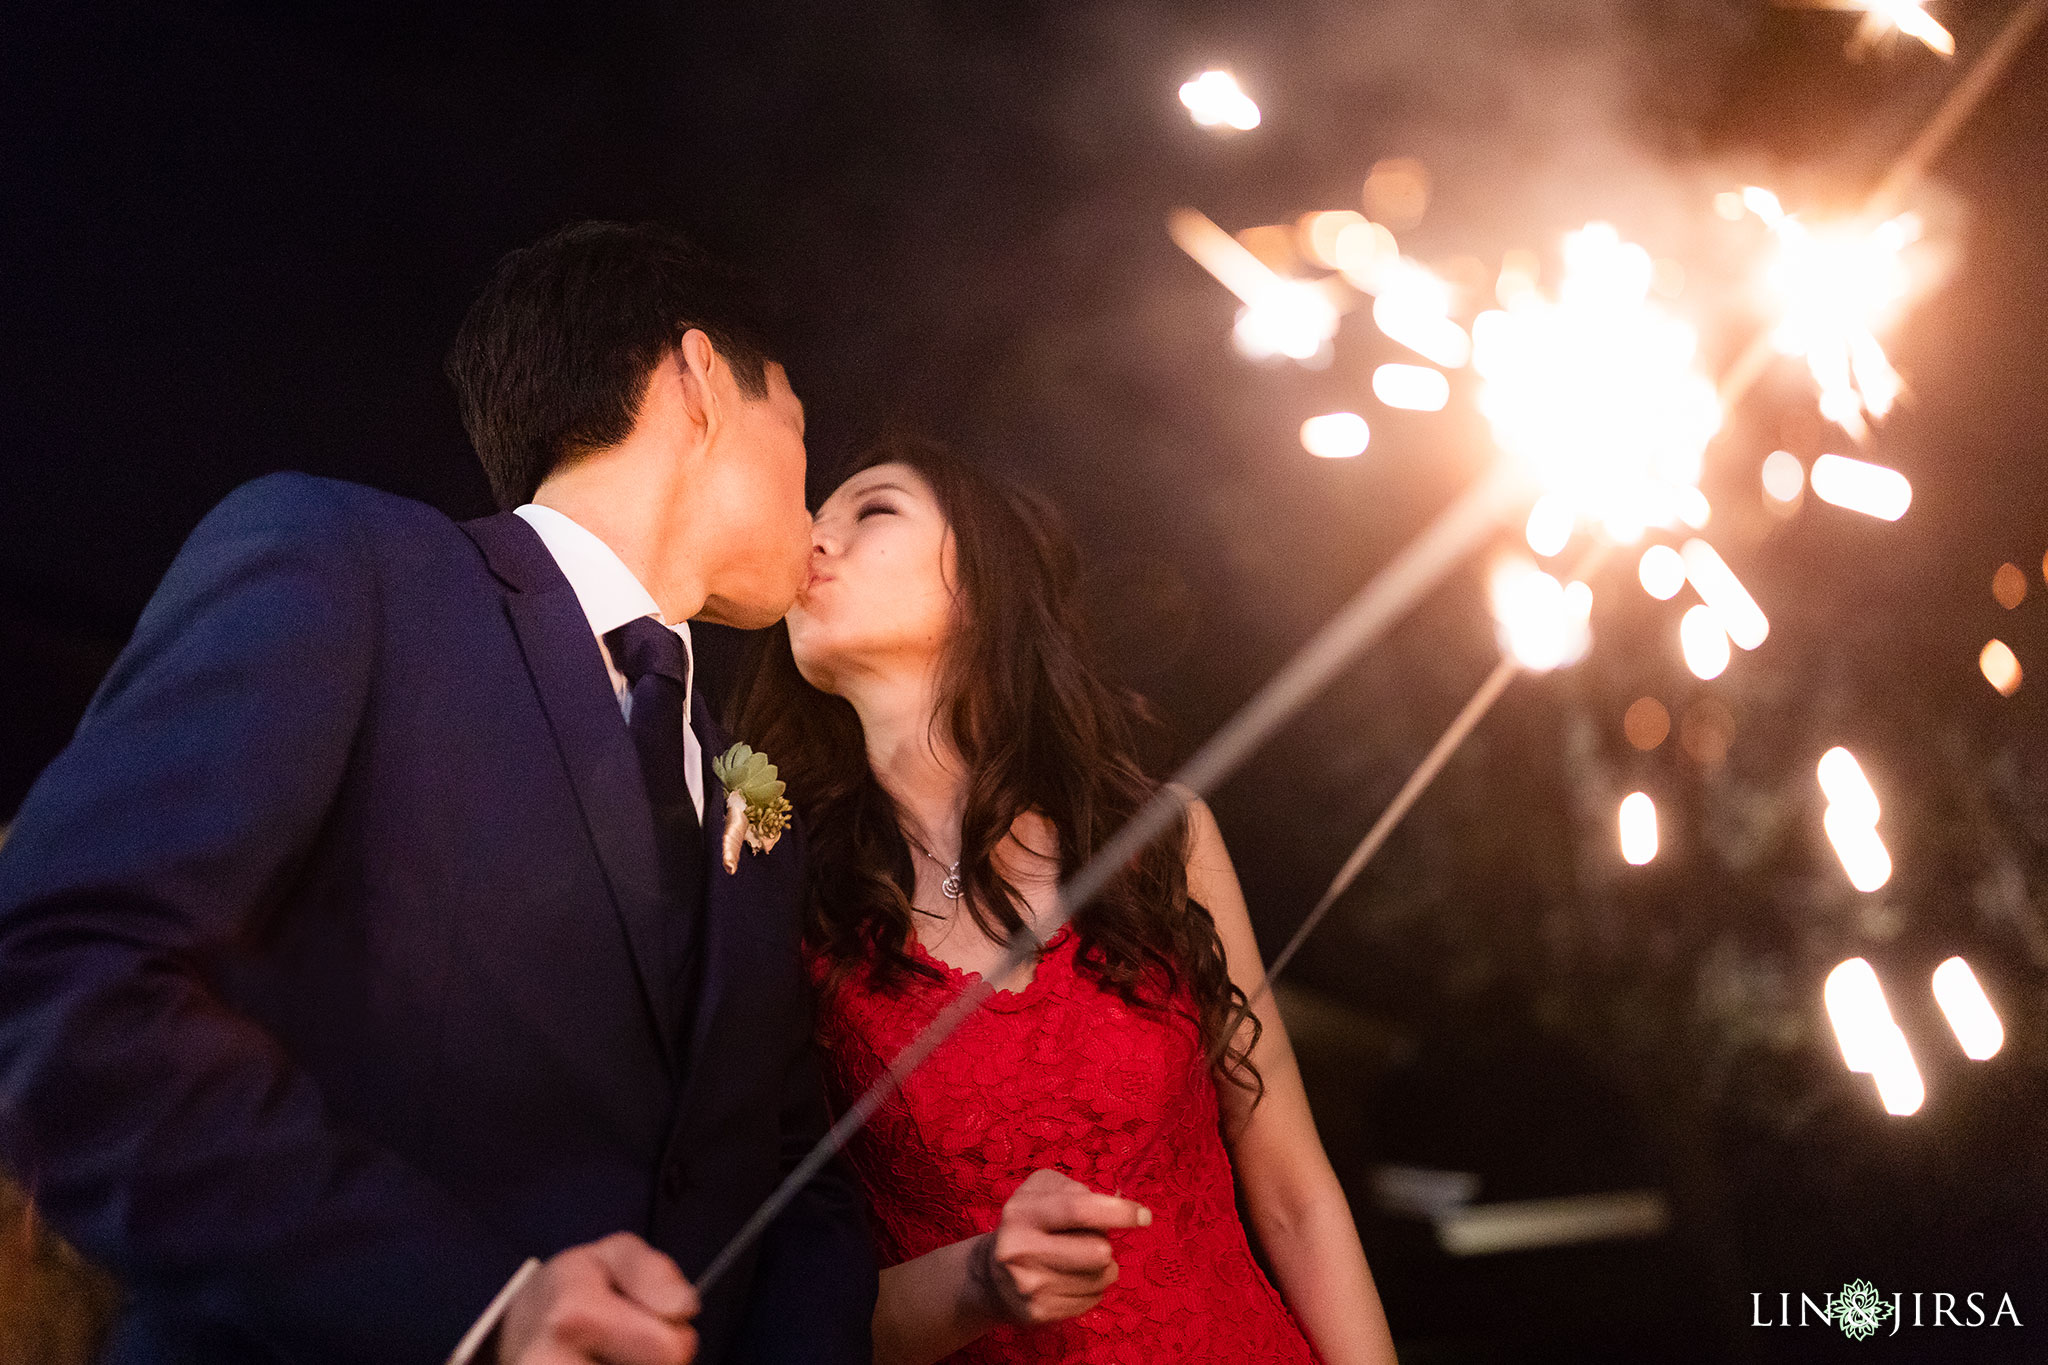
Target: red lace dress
column 1061, row 1074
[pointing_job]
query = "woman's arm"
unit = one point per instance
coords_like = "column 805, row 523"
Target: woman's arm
column 1298, row 1209
column 1048, row 1259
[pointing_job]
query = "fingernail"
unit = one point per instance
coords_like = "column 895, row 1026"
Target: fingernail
column 1144, row 1216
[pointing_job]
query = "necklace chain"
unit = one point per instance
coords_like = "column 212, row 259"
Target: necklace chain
column 950, row 887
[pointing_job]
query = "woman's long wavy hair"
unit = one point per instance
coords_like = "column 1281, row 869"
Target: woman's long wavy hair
column 1038, row 728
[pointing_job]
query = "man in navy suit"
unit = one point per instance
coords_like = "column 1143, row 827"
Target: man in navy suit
column 371, row 939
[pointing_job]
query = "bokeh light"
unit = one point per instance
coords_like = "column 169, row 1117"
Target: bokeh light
column 1414, row 387
column 1784, row 477
column 1335, row 435
column 1638, row 828
column 2000, row 666
column 1215, row 100
column 1646, row 723
column 2009, row 586
column 1871, row 1041
column 1968, row 1010
column 1661, row 571
column 1704, row 643
column 1859, row 486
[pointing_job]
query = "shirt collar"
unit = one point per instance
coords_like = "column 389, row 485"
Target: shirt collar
column 605, row 588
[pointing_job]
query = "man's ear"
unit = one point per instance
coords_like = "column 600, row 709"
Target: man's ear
column 696, row 363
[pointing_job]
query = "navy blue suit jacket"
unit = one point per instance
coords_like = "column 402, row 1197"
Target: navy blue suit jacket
column 333, row 974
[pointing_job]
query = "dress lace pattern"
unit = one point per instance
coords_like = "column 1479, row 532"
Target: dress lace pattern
column 1060, row 1074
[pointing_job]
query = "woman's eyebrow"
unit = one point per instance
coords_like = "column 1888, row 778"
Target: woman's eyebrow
column 880, row 488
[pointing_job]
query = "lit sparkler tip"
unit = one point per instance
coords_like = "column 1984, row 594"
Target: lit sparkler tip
column 1541, row 622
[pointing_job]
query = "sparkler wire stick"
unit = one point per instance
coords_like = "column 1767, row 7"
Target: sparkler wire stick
column 1375, row 608
column 1433, row 763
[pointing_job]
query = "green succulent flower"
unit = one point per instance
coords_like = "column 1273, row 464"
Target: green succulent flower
column 740, row 769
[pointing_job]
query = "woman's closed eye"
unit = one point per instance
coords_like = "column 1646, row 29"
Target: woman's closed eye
column 873, row 509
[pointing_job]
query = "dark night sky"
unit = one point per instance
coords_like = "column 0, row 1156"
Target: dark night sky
column 238, row 237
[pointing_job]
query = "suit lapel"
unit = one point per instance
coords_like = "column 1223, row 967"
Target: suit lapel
column 575, row 692
column 720, row 888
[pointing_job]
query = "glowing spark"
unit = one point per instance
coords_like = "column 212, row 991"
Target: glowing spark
column 1909, row 17
column 1215, row 100
column 1638, row 828
column 1846, row 788
column 1596, row 393
column 1837, row 285
column 1861, row 487
column 1870, row 1040
column 1413, row 309
column 1294, row 318
column 1784, row 477
column 1704, row 642
column 1550, row 526
column 1335, row 435
column 1414, row 387
column 1720, row 589
column 2000, row 666
column 1851, row 820
column 1365, row 252
column 1969, row 1013
column 1661, row 572
column 1540, row 621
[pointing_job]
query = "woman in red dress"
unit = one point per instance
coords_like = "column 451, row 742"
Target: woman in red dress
column 1056, row 1183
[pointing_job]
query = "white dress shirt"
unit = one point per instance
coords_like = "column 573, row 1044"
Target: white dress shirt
column 611, row 596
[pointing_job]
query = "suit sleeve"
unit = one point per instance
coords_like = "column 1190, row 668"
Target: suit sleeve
column 168, row 1136
column 814, row 1286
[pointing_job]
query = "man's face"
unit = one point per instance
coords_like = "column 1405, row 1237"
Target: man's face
column 756, row 484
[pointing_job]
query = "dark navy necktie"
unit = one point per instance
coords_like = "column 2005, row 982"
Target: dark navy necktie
column 652, row 658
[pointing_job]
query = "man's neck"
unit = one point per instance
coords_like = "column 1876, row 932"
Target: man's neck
column 614, row 496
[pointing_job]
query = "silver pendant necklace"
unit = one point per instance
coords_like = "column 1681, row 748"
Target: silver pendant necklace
column 950, row 887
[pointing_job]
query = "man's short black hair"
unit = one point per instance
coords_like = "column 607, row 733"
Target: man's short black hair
column 554, row 357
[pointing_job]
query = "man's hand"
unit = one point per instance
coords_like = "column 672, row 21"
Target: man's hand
column 1050, row 1256
column 618, row 1301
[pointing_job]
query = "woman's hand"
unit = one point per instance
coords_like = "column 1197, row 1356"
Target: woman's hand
column 1050, row 1258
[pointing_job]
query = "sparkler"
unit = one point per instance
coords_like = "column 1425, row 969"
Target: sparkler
column 1418, row 567
column 1882, row 18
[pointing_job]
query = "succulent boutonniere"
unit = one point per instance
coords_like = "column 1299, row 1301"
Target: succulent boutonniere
column 755, row 811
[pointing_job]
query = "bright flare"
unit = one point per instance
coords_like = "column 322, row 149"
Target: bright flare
column 1720, row 589
column 1638, row 828
column 1294, row 318
column 1864, row 856
column 1846, row 788
column 1870, row 489
column 1836, row 286
column 1597, row 393
column 1870, row 1039
column 1969, row 1012
column 1784, row 477
column 1414, row 387
column 1542, row 623
column 1335, row 435
column 1909, row 17
column 1414, row 309
column 2001, row 667
column 1661, row 572
column 1550, row 526
column 1704, row 641
column 1215, row 100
